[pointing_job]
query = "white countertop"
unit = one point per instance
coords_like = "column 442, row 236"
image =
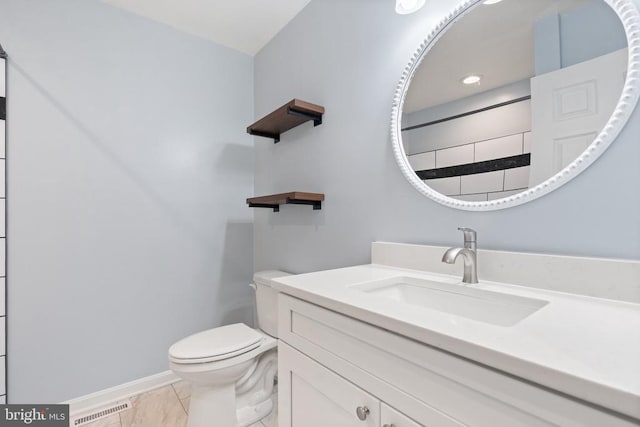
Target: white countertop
column 583, row 346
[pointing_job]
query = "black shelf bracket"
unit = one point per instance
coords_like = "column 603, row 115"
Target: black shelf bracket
column 317, row 204
column 274, row 136
column 276, row 208
column 317, row 118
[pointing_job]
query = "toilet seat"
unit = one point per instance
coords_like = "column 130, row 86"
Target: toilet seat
column 216, row 344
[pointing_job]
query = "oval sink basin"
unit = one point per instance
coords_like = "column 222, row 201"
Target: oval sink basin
column 461, row 300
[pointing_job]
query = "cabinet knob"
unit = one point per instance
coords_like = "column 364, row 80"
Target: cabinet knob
column 362, row 412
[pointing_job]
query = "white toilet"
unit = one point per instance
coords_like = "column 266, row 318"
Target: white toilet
column 232, row 368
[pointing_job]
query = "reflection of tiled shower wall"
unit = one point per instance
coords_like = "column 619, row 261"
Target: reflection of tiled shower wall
column 3, row 240
column 479, row 186
column 474, row 148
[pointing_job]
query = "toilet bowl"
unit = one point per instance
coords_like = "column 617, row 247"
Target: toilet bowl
column 232, row 368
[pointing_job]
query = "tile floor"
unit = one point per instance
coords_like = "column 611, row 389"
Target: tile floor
column 164, row 407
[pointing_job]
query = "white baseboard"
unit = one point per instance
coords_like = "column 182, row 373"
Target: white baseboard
column 123, row 391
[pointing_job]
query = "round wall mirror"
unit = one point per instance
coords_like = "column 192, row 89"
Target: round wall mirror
column 507, row 100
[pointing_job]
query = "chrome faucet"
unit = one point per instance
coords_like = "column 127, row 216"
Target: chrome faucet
column 468, row 255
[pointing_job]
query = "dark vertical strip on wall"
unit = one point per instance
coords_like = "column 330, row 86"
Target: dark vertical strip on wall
column 3, row 116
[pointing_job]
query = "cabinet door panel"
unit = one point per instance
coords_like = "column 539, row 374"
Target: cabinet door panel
column 389, row 417
column 312, row 396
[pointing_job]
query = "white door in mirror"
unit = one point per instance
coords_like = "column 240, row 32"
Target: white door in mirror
column 569, row 111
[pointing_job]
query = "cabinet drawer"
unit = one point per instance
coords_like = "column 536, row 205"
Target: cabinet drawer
column 312, row 396
column 433, row 387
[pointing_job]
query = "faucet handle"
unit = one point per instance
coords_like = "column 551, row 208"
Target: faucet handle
column 469, row 234
column 469, row 237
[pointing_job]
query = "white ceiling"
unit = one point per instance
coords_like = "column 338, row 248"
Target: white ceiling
column 495, row 41
column 244, row 25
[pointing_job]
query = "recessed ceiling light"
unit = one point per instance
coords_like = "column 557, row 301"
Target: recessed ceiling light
column 491, row 1
column 404, row 7
column 471, row 80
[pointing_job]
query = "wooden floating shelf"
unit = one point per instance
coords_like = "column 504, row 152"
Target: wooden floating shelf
column 274, row 201
column 290, row 115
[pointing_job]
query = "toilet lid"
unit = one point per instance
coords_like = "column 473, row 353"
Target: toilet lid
column 215, row 344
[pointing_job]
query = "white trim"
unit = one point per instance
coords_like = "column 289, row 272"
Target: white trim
column 630, row 18
column 123, row 391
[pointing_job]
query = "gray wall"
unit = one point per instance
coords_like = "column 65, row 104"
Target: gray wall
column 128, row 173
column 577, row 35
column 348, row 56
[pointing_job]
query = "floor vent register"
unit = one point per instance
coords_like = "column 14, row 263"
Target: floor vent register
column 100, row 413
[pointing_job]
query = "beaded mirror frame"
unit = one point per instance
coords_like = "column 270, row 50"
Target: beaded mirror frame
column 630, row 18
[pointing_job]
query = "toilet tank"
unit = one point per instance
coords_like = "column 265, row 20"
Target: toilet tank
column 267, row 300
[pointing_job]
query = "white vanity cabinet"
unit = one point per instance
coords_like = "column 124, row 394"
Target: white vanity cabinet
column 318, row 397
column 331, row 364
